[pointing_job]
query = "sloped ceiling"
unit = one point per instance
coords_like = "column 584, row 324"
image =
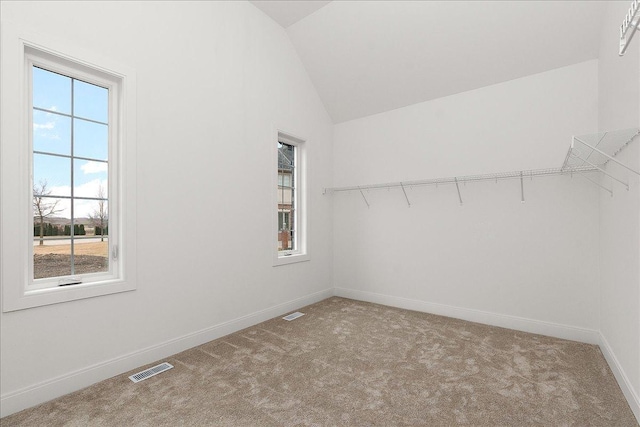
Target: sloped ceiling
column 367, row 57
column 288, row 12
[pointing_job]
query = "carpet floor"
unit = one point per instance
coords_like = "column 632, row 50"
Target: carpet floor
column 350, row 363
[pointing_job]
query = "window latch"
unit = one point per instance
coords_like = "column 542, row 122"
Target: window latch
column 114, row 252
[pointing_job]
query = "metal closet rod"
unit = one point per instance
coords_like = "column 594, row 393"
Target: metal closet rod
column 456, row 180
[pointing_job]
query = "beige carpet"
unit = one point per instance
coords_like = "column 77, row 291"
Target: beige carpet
column 357, row 364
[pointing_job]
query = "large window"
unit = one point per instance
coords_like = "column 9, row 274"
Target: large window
column 291, row 212
column 70, row 133
column 68, row 173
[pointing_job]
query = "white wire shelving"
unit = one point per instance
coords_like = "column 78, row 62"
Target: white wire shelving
column 587, row 153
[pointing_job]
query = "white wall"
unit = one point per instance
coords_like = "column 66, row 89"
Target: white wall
column 213, row 78
column 619, row 108
column 493, row 259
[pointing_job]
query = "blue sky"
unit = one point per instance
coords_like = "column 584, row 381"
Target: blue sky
column 52, row 133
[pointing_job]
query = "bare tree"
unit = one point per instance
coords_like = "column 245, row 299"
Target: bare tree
column 43, row 207
column 100, row 215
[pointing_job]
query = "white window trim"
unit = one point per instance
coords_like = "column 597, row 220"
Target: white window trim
column 301, row 254
column 16, row 236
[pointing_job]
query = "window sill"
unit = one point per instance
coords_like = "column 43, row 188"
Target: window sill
column 290, row 259
column 48, row 296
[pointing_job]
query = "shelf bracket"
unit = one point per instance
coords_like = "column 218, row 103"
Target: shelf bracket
column 458, row 187
column 405, row 194
column 583, row 175
column 608, row 156
column 365, row 199
column 604, row 172
column 521, row 187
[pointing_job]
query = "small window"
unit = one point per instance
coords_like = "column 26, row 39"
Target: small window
column 290, row 195
column 287, row 233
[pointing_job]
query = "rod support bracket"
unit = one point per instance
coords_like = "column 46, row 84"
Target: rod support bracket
column 405, row 194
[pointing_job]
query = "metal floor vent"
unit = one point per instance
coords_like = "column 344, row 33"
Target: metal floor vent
column 293, row 316
column 148, row 373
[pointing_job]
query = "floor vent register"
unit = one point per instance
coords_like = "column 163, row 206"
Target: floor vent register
column 148, row 373
column 293, row 316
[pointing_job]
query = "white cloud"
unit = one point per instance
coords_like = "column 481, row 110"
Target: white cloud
column 91, row 188
column 42, row 128
column 59, row 190
column 48, row 125
column 94, row 167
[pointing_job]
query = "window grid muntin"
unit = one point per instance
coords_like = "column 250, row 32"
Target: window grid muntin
column 89, row 159
column 44, row 110
column 72, row 237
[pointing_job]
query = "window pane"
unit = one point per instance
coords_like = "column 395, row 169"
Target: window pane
column 51, row 175
column 90, row 101
column 51, row 133
column 90, row 179
column 90, row 140
column 51, row 91
column 51, row 259
column 284, row 240
column 51, row 251
column 92, row 213
column 91, row 248
column 50, row 210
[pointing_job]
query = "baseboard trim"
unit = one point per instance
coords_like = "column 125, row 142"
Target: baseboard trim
column 623, row 381
column 50, row 389
column 494, row 319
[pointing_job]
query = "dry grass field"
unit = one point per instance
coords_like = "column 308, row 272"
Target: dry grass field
column 80, row 248
column 55, row 260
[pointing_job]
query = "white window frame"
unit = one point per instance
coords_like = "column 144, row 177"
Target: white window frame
column 20, row 51
column 63, row 67
column 301, row 215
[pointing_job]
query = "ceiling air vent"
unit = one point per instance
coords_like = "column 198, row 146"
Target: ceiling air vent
column 148, row 373
column 293, row 316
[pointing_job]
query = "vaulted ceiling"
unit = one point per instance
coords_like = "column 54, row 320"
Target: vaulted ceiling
column 288, row 12
column 367, row 57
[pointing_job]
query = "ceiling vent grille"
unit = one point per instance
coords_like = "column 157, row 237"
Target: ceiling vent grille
column 293, row 316
column 148, row 373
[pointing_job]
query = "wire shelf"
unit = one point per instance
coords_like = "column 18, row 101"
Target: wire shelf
column 599, row 148
column 587, row 153
column 468, row 178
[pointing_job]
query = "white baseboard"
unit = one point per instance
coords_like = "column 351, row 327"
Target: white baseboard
column 50, row 389
column 494, row 319
column 623, row 381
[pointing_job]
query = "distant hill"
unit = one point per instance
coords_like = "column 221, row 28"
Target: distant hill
column 65, row 221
